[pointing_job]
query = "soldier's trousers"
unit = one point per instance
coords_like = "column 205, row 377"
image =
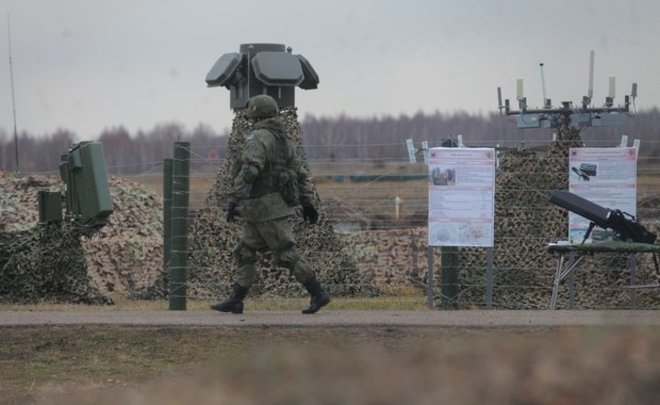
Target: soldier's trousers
column 276, row 236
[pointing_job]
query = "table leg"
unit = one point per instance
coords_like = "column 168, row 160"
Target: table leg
column 555, row 285
column 561, row 274
column 571, row 291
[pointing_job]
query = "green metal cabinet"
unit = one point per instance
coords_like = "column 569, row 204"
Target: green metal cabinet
column 50, row 207
column 83, row 170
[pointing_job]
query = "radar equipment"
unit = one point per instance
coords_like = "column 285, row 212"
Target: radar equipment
column 262, row 69
column 569, row 115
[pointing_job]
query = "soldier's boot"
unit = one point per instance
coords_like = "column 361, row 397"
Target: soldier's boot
column 320, row 297
column 234, row 303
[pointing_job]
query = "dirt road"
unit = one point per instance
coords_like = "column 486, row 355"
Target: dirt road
column 473, row 318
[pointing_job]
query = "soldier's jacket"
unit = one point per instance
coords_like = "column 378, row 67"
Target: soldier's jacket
column 267, row 152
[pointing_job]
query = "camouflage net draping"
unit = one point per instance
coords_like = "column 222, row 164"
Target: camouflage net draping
column 60, row 263
column 64, row 264
column 525, row 223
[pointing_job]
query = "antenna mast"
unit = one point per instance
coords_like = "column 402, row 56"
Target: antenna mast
column 546, row 104
column 590, row 90
column 569, row 115
column 13, row 97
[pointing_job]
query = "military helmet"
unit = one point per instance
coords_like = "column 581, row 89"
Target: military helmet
column 262, row 106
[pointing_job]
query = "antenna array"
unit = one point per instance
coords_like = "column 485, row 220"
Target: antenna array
column 569, row 115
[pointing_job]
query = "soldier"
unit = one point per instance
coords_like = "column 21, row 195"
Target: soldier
column 270, row 181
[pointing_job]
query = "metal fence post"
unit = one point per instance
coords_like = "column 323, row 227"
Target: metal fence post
column 179, row 243
column 167, row 215
column 429, row 277
column 449, row 277
column 571, row 287
column 632, row 265
column 489, row 278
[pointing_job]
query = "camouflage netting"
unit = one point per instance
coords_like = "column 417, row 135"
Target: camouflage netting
column 60, row 263
column 525, row 222
column 212, row 239
column 45, row 262
column 392, row 258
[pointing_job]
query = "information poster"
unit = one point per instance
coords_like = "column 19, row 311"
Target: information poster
column 605, row 176
column 461, row 196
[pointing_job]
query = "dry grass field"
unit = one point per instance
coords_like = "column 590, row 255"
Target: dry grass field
column 338, row 365
column 373, row 198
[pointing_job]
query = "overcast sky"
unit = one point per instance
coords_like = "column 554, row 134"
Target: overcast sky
column 86, row 65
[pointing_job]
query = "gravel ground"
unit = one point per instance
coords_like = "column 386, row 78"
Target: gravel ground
column 472, row 318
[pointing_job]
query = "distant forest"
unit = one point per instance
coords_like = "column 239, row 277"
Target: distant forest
column 325, row 138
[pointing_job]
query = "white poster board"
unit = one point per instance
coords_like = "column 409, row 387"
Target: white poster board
column 605, row 176
column 461, row 197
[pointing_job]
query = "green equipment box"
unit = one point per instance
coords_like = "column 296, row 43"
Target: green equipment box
column 50, row 207
column 83, row 170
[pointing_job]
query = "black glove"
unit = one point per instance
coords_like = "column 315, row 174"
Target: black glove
column 232, row 212
column 310, row 214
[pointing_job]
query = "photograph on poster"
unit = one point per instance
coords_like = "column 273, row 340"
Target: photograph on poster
column 586, row 171
column 443, row 176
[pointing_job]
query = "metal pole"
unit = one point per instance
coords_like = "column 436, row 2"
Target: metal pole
column 632, row 264
column 179, row 244
column 571, row 288
column 543, row 84
column 429, row 277
column 489, row 278
column 167, row 214
column 13, row 96
column 555, row 284
column 449, row 277
column 590, row 89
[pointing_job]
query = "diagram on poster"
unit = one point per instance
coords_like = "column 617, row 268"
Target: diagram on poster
column 605, row 176
column 461, row 196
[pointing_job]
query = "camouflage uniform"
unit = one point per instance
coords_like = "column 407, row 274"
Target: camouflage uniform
column 268, row 183
column 266, row 153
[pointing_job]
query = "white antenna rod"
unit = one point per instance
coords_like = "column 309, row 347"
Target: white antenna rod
column 13, row 97
column 543, row 83
column 590, row 91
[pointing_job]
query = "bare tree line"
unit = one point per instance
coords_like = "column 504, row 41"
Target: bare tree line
column 125, row 153
column 325, row 138
column 383, row 137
